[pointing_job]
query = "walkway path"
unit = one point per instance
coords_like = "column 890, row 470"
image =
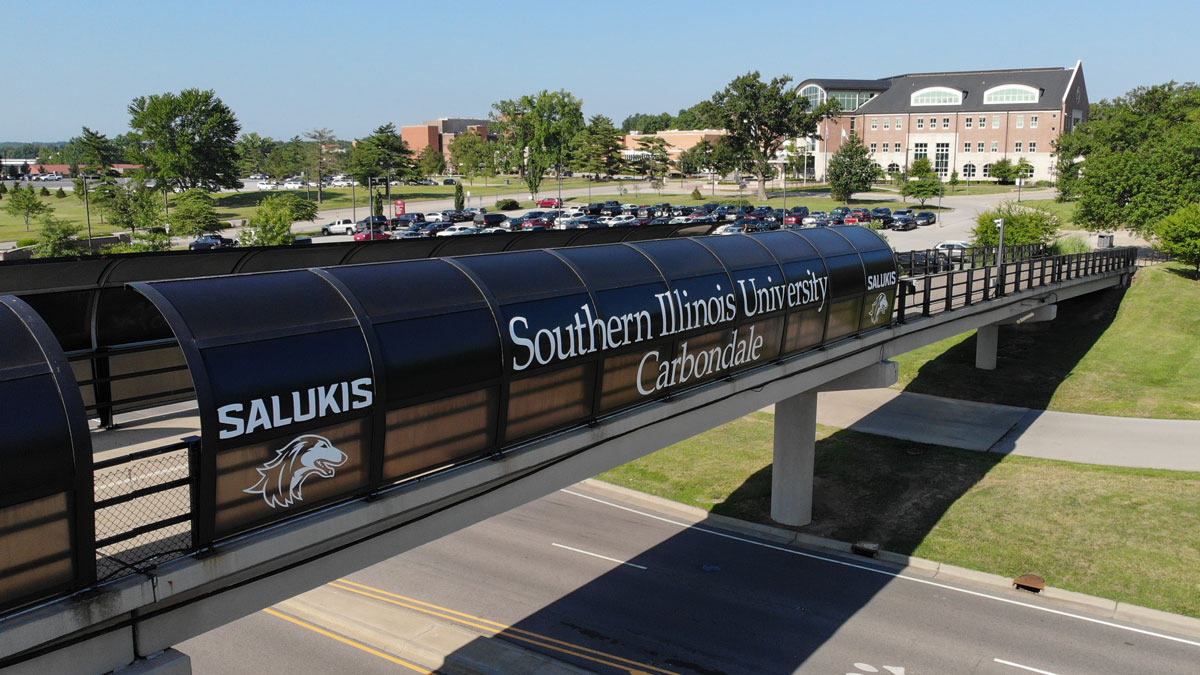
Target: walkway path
column 1074, row 437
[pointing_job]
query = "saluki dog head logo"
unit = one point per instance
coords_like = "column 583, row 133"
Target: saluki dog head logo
column 281, row 478
column 878, row 308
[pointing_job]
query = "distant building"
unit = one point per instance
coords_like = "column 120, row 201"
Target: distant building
column 440, row 132
column 677, row 140
column 36, row 168
column 962, row 121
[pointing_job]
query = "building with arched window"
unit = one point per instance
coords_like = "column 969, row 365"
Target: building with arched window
column 962, row 121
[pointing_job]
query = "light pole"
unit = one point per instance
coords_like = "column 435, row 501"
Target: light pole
column 353, row 202
column 88, row 208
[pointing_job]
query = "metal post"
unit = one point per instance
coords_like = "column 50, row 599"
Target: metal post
column 353, row 203
column 1000, row 256
column 88, row 207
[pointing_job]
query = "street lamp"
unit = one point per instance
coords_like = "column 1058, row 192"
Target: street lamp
column 88, row 208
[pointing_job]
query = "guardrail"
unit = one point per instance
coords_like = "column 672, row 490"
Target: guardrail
column 920, row 262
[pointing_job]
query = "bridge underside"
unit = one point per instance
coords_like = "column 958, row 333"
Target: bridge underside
column 137, row 616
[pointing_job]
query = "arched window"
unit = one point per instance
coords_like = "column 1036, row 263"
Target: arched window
column 893, row 168
column 814, row 94
column 987, row 170
column 1011, row 93
column 1025, row 170
column 969, row 171
column 936, row 96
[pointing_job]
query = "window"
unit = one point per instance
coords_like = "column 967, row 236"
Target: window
column 887, row 123
column 848, row 100
column 1025, row 170
column 920, row 122
column 996, row 122
column 874, row 123
column 814, row 94
column 897, row 146
column 967, row 146
column 995, row 146
column 987, row 170
column 852, row 124
column 941, row 159
column 945, row 122
column 1033, row 121
column 969, row 120
column 982, row 122
column 1010, row 93
column 893, row 168
column 969, row 171
column 980, row 147
column 1033, row 146
column 1020, row 121
column 920, row 150
column 898, row 125
column 1017, row 146
column 872, row 148
column 936, row 96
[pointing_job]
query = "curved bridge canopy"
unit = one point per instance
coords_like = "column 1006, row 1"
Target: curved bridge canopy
column 329, row 383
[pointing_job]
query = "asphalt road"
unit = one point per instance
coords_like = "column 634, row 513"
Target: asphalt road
column 615, row 588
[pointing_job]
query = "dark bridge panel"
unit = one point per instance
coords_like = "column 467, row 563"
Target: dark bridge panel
column 46, row 528
column 328, row 383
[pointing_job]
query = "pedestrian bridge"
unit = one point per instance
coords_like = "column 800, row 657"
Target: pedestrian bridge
column 346, row 414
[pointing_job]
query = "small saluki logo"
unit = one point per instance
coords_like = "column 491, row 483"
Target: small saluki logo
column 281, row 478
column 878, row 308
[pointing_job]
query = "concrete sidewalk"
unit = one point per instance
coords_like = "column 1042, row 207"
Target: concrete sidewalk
column 1073, row 437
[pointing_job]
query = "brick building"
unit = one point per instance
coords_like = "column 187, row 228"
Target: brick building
column 440, row 132
column 961, row 121
column 677, row 140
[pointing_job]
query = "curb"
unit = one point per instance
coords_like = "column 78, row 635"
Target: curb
column 1106, row 608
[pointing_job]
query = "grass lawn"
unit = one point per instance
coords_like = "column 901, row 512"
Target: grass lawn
column 12, row 228
column 1132, row 353
column 1131, row 535
column 1064, row 210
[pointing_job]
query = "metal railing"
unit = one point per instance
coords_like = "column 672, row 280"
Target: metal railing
column 921, row 262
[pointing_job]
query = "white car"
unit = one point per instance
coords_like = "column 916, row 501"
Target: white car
column 339, row 226
column 494, row 230
column 454, row 230
column 344, row 182
column 680, row 220
column 617, row 221
column 267, row 185
column 433, row 217
column 953, row 248
column 293, row 184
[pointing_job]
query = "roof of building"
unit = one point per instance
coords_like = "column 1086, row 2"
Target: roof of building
column 834, row 84
column 1051, row 84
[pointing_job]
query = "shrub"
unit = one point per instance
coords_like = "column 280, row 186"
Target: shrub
column 696, row 194
column 507, row 205
column 60, row 194
column 45, row 192
column 3, row 189
column 1022, row 225
column 1070, row 245
column 22, row 243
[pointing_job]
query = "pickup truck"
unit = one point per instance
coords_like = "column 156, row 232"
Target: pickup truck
column 339, row 226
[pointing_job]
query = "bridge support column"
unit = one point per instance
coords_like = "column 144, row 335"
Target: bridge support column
column 796, row 442
column 987, row 338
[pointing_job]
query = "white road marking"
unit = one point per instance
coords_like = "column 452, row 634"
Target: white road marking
column 866, row 667
column 130, row 479
column 597, row 555
column 897, row 670
column 886, row 573
column 1017, row 665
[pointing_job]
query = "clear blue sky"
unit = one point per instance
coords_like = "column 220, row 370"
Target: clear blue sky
column 287, row 67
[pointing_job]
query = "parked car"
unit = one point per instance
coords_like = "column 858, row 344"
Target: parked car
column 925, row 218
column 954, row 249
column 339, row 226
column 433, row 217
column 904, row 212
column 293, row 184
column 922, row 262
column 371, row 223
column 621, row 220
column 449, row 181
column 211, row 241
column 406, row 220
column 490, row 220
column 493, row 230
column 413, row 231
column 267, row 185
column 460, row 229
column 374, row 234
column 431, row 229
column 553, row 202
column 881, row 211
column 344, row 182
column 903, row 223
column 812, row 218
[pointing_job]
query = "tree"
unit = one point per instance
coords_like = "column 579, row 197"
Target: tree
column 286, row 159
column 921, row 168
column 186, row 140
column 194, row 215
column 271, row 224
column 143, row 241
column 471, row 153
column 656, row 156
column 922, row 189
column 25, row 204
column 44, row 192
column 596, row 149
column 60, row 194
column 131, row 207
column 1004, row 171
column 57, row 238
column 696, row 194
column 430, row 162
column 954, row 179
column 760, row 116
column 703, row 115
column 643, row 123
column 850, row 169
column 535, row 168
column 320, row 162
column 459, row 201
column 696, row 158
column 97, row 152
column 542, row 125
column 382, row 154
column 1178, row 235
column 253, row 151
column 1021, row 226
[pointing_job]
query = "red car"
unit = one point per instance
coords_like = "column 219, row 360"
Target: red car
column 551, row 202
column 372, row 235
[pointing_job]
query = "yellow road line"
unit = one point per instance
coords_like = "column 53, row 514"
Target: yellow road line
column 497, row 627
column 357, row 645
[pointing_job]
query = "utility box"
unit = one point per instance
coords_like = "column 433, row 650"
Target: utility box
column 1105, row 241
